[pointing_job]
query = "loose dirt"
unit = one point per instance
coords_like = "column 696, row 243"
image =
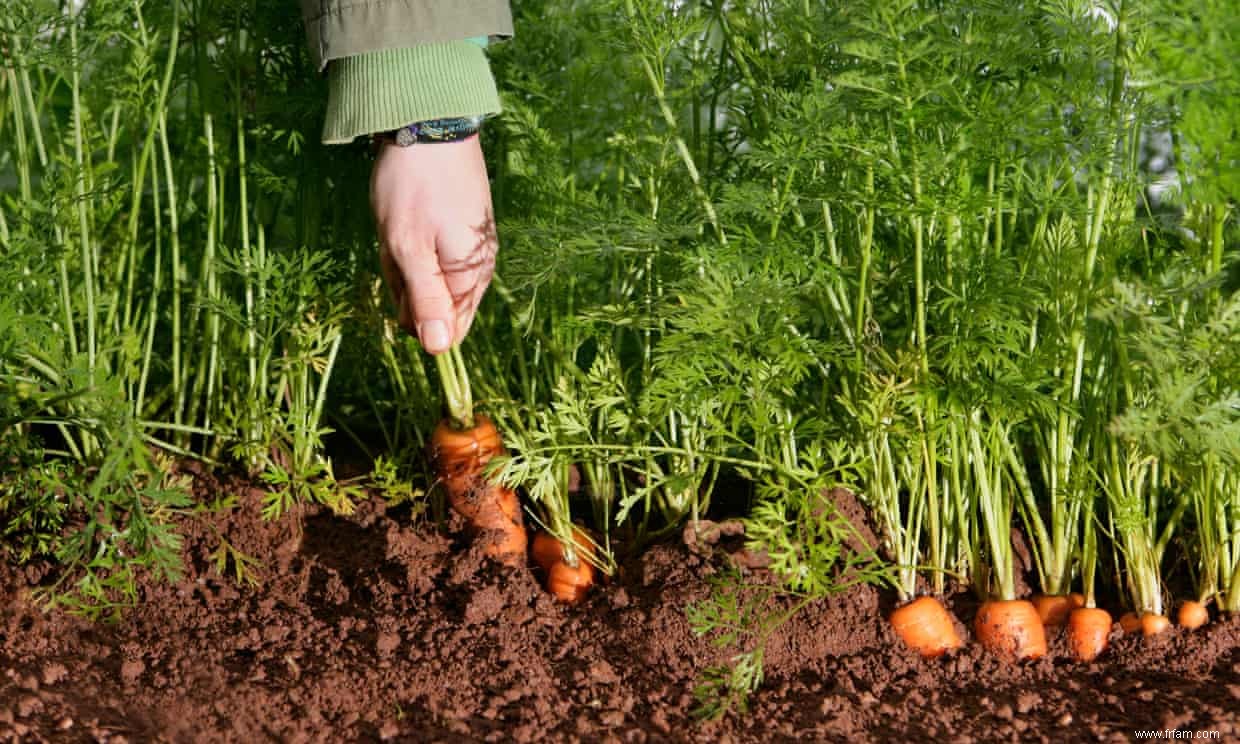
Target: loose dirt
column 378, row 627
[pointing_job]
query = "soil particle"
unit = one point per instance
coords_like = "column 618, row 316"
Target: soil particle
column 373, row 628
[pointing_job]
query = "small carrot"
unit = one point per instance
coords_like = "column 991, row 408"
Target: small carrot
column 1088, row 630
column 567, row 580
column 1152, row 625
column 926, row 626
column 1055, row 608
column 1193, row 615
column 1130, row 622
column 570, row 583
column 546, row 549
column 1011, row 628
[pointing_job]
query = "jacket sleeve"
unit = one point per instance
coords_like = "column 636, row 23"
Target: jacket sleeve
column 394, row 62
column 345, row 28
column 380, row 91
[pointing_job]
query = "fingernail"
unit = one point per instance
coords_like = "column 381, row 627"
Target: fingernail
column 434, row 335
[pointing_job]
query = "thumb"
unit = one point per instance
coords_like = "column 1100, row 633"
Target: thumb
column 429, row 300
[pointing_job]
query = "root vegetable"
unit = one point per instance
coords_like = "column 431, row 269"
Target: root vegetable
column 1193, row 615
column 546, row 549
column 1011, row 628
column 1130, row 622
column 1088, row 630
column 458, row 456
column 926, row 626
column 1152, row 625
column 568, row 581
column 1054, row 609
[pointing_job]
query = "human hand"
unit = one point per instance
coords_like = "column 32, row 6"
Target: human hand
column 437, row 242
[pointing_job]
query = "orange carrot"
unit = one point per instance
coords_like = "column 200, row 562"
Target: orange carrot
column 570, row 583
column 1088, row 629
column 1054, row 608
column 458, row 456
column 547, row 549
column 1011, row 628
column 926, row 626
column 1193, row 615
column 499, row 524
column 1130, row 622
column 1152, row 625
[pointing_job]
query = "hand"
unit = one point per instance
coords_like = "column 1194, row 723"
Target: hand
column 437, row 243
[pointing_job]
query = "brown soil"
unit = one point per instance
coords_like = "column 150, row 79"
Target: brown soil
column 373, row 628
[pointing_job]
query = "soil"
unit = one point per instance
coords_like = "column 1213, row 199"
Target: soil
column 380, row 627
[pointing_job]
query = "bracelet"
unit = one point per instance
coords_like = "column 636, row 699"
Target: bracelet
column 435, row 130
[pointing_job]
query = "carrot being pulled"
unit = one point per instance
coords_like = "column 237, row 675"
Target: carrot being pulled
column 460, row 447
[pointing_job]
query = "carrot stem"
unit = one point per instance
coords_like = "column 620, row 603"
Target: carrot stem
column 456, row 389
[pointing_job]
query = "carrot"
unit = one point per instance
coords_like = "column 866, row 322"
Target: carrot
column 568, row 581
column 1193, row 615
column 926, row 626
column 1011, row 627
column 1055, row 608
column 458, row 456
column 500, row 526
column 546, row 549
column 1130, row 622
column 1152, row 625
column 1088, row 629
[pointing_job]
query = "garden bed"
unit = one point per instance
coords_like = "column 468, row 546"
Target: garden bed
column 377, row 627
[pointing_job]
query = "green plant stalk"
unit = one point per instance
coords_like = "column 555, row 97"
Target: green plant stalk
column 1132, row 489
column 867, row 247
column 1089, row 552
column 836, row 291
column 1229, row 556
column 205, row 369
column 988, row 464
column 152, row 310
column 937, row 536
column 89, row 260
column 23, row 170
column 256, row 389
column 458, row 396
column 1209, row 537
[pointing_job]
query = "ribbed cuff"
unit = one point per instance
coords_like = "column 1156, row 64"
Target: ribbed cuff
column 384, row 90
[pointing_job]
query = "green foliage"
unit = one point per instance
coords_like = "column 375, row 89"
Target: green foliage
column 971, row 260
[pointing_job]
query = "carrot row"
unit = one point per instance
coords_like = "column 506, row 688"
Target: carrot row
column 1015, row 629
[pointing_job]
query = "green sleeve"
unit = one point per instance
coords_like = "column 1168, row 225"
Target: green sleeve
column 336, row 29
column 383, row 90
